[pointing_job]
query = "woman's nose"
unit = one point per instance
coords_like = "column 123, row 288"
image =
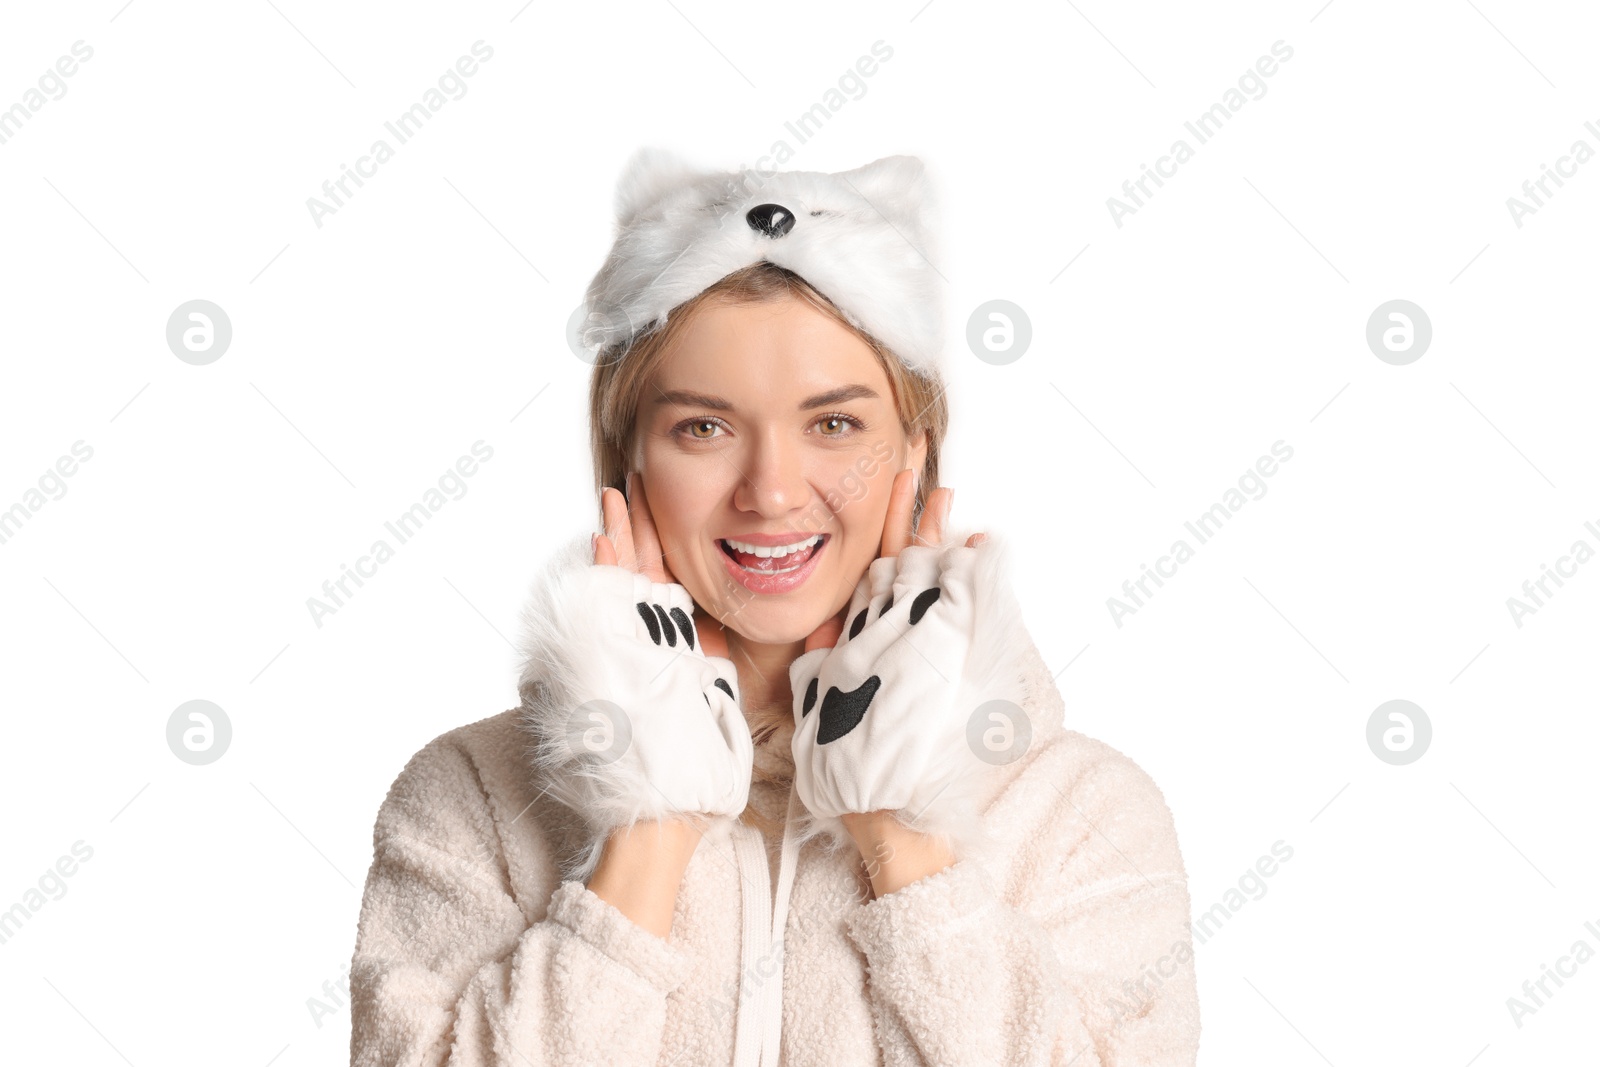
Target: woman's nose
column 773, row 482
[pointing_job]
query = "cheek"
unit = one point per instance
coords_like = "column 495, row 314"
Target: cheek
column 686, row 499
column 855, row 484
column 866, row 492
column 859, row 498
column 680, row 522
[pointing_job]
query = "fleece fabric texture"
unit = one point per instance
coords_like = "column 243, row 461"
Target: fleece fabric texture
column 1073, row 947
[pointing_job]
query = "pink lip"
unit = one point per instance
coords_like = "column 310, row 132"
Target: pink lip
column 772, row 584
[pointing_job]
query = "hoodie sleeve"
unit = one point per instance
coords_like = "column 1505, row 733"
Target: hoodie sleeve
column 448, row 970
column 1095, row 970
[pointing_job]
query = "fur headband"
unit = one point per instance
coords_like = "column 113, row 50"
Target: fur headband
column 864, row 238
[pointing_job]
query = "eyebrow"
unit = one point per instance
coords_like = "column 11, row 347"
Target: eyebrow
column 691, row 399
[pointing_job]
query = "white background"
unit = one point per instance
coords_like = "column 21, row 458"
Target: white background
column 430, row 312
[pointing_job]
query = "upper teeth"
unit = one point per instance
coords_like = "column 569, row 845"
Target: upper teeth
column 773, row 550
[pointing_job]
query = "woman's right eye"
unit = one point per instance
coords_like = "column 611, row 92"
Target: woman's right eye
column 692, row 427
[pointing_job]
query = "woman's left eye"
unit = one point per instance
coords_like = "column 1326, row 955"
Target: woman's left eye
column 839, row 418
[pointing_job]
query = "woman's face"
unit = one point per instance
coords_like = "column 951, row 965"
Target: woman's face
column 770, row 425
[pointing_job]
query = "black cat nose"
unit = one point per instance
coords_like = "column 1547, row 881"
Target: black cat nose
column 774, row 220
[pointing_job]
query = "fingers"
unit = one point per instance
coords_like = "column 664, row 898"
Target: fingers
column 935, row 515
column 618, row 530
column 897, row 521
column 646, row 542
column 632, row 532
column 605, row 553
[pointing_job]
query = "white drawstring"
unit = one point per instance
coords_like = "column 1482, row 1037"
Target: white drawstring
column 773, row 991
column 754, row 883
column 759, row 1027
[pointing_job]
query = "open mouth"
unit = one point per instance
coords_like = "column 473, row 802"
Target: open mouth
column 781, row 559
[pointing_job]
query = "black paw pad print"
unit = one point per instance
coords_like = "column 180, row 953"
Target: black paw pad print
column 842, row 711
column 722, row 685
column 660, row 623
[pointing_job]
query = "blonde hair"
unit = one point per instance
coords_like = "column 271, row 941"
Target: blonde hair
column 623, row 373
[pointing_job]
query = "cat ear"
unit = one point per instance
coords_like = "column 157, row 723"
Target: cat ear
column 902, row 190
column 885, row 176
column 890, row 181
column 650, row 173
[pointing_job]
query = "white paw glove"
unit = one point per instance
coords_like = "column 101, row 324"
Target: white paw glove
column 889, row 718
column 632, row 720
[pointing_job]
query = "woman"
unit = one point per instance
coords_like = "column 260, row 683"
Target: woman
column 789, row 774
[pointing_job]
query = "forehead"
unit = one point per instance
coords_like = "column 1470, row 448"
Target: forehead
column 780, row 350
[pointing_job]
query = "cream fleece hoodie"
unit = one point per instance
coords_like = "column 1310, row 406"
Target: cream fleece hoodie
column 1072, row 947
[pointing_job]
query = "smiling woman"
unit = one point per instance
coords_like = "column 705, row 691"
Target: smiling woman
column 789, row 782
column 773, row 421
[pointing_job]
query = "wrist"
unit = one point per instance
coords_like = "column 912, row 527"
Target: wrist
column 894, row 854
column 641, row 868
column 650, row 847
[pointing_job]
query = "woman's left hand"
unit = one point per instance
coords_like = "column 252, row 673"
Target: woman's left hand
column 881, row 713
column 897, row 534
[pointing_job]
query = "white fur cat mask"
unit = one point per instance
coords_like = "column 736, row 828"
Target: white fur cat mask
column 864, row 238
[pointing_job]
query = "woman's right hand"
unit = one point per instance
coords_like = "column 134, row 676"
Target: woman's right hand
column 698, row 759
column 642, row 864
column 637, row 720
column 631, row 542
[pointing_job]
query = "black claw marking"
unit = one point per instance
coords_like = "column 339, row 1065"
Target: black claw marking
column 860, row 621
column 843, row 712
column 684, row 625
column 811, row 699
column 923, row 602
column 650, row 621
column 887, row 604
column 666, row 627
column 724, row 686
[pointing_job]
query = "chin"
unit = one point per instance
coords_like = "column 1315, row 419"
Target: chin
column 775, row 632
